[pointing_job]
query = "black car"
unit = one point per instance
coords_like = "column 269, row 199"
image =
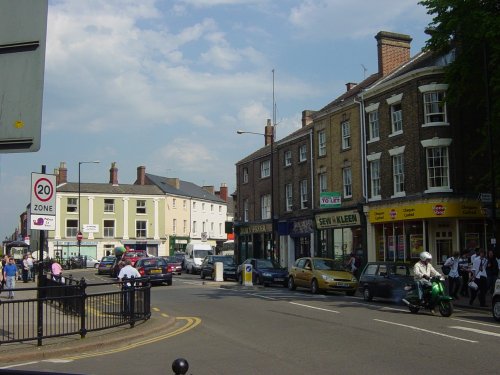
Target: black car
column 208, row 267
column 264, row 272
column 385, row 280
column 156, row 269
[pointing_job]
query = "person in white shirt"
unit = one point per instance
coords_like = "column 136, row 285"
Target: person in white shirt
column 453, row 276
column 423, row 271
column 478, row 274
column 127, row 272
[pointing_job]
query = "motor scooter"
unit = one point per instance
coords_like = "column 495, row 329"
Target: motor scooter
column 434, row 297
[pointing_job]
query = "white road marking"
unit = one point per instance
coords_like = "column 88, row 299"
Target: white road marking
column 476, row 331
column 426, row 330
column 380, row 307
column 314, row 307
column 393, row 309
column 19, row 364
column 261, row 296
column 479, row 323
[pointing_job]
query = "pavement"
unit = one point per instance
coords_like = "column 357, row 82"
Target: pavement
column 120, row 337
column 57, row 347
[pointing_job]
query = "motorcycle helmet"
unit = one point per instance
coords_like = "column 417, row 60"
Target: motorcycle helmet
column 425, row 255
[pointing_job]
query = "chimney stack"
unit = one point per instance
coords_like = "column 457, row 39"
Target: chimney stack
column 62, row 176
column 210, row 189
column 141, row 175
column 223, row 192
column 307, row 117
column 393, row 51
column 269, row 130
column 113, row 174
column 174, row 182
column 350, row 85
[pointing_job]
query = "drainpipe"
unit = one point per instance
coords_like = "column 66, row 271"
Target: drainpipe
column 364, row 177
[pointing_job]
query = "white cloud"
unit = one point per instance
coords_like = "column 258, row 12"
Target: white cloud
column 340, row 19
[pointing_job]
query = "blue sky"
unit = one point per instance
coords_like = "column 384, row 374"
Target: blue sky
column 167, row 83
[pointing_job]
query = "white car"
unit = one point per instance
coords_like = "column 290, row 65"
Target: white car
column 495, row 301
column 92, row 263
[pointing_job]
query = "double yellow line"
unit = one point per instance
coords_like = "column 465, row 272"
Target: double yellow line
column 190, row 323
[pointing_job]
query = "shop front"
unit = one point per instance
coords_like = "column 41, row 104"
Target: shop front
column 177, row 243
column 254, row 241
column 151, row 247
column 296, row 240
column 339, row 234
column 402, row 232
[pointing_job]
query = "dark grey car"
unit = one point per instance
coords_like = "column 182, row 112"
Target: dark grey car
column 385, row 280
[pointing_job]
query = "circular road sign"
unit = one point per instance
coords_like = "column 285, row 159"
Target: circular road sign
column 79, row 236
column 43, row 189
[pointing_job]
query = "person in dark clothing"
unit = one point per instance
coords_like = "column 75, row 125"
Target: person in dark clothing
column 491, row 270
column 463, row 270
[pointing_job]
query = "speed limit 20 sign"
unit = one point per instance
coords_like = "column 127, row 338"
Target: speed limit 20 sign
column 43, row 194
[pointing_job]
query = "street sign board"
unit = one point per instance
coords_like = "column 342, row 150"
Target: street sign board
column 43, row 222
column 90, row 228
column 486, row 197
column 23, row 30
column 43, row 194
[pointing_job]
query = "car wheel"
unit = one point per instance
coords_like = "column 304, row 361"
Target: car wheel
column 213, row 275
column 169, row 282
column 240, row 278
column 314, row 286
column 291, row 283
column 258, row 280
column 495, row 309
column 367, row 295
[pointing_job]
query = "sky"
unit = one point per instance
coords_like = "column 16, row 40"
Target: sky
column 166, row 84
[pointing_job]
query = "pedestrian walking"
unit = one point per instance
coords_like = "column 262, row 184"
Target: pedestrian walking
column 463, row 269
column 56, row 271
column 31, row 275
column 10, row 275
column 478, row 274
column 1, row 277
column 453, row 276
column 491, row 270
column 26, row 268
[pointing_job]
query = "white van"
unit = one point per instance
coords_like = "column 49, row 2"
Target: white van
column 195, row 253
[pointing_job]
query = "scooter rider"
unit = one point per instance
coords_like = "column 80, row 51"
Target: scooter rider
column 423, row 271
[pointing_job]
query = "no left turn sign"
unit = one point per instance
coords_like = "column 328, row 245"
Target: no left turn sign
column 43, row 197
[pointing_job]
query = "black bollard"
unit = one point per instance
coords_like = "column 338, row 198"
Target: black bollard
column 180, row 366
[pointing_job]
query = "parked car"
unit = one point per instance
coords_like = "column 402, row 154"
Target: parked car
column 264, row 272
column 181, row 256
column 322, row 274
column 156, row 269
column 133, row 256
column 385, row 280
column 91, row 262
column 173, row 263
column 495, row 301
column 104, row 267
column 208, row 267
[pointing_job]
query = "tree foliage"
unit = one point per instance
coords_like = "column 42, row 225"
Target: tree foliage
column 471, row 28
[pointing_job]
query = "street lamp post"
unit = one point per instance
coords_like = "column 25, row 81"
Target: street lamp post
column 79, row 235
column 273, row 227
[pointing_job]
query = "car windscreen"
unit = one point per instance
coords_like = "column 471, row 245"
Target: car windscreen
column 108, row 259
column 328, row 265
column 157, row 262
column 225, row 260
column 134, row 255
column 171, row 259
column 201, row 253
column 264, row 263
column 401, row 270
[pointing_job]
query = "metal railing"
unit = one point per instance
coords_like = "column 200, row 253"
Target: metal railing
column 73, row 307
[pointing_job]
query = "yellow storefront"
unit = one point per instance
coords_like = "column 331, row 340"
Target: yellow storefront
column 400, row 232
